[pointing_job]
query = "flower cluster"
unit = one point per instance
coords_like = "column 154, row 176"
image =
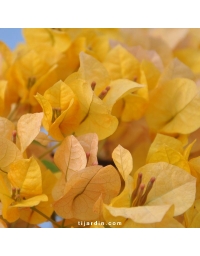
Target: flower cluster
column 101, row 126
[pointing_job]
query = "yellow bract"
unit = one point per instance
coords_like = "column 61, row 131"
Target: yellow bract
column 28, row 127
column 143, row 214
column 124, row 68
column 27, row 77
column 6, row 128
column 190, row 57
column 91, row 70
column 8, row 154
column 151, row 73
column 22, row 187
column 121, row 64
column 98, row 120
column 179, row 184
column 123, row 160
column 168, row 149
column 48, row 182
column 167, row 222
column 160, row 199
column 83, row 92
column 83, row 190
column 174, row 107
column 70, row 157
column 47, row 37
column 31, row 201
column 59, row 95
column 61, row 110
column 172, row 36
column 119, row 89
column 89, row 142
column 5, row 59
column 192, row 216
column 195, row 171
column 175, row 69
column 65, row 107
column 25, row 174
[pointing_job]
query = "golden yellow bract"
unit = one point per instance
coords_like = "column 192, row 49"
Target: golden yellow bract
column 160, row 198
column 61, row 110
column 168, row 149
column 174, row 107
column 22, row 187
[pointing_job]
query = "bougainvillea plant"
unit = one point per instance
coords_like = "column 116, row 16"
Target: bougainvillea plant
column 100, row 128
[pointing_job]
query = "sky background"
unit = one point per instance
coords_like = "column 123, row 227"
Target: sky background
column 11, row 36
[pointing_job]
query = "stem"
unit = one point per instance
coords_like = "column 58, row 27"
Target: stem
column 13, row 111
column 63, row 222
column 46, row 217
column 49, row 150
column 101, row 144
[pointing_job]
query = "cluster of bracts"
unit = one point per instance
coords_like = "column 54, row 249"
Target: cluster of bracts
column 100, row 126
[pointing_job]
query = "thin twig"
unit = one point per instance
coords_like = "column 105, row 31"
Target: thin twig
column 46, row 217
column 49, row 150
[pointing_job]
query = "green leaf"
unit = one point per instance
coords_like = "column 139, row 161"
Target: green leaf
column 51, row 166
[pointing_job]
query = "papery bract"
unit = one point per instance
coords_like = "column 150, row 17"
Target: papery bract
column 89, row 142
column 183, row 118
column 168, row 149
column 28, row 127
column 70, row 157
column 25, row 174
column 83, row 190
column 123, row 160
column 8, row 154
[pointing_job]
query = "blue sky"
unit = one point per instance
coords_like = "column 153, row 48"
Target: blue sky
column 11, row 36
